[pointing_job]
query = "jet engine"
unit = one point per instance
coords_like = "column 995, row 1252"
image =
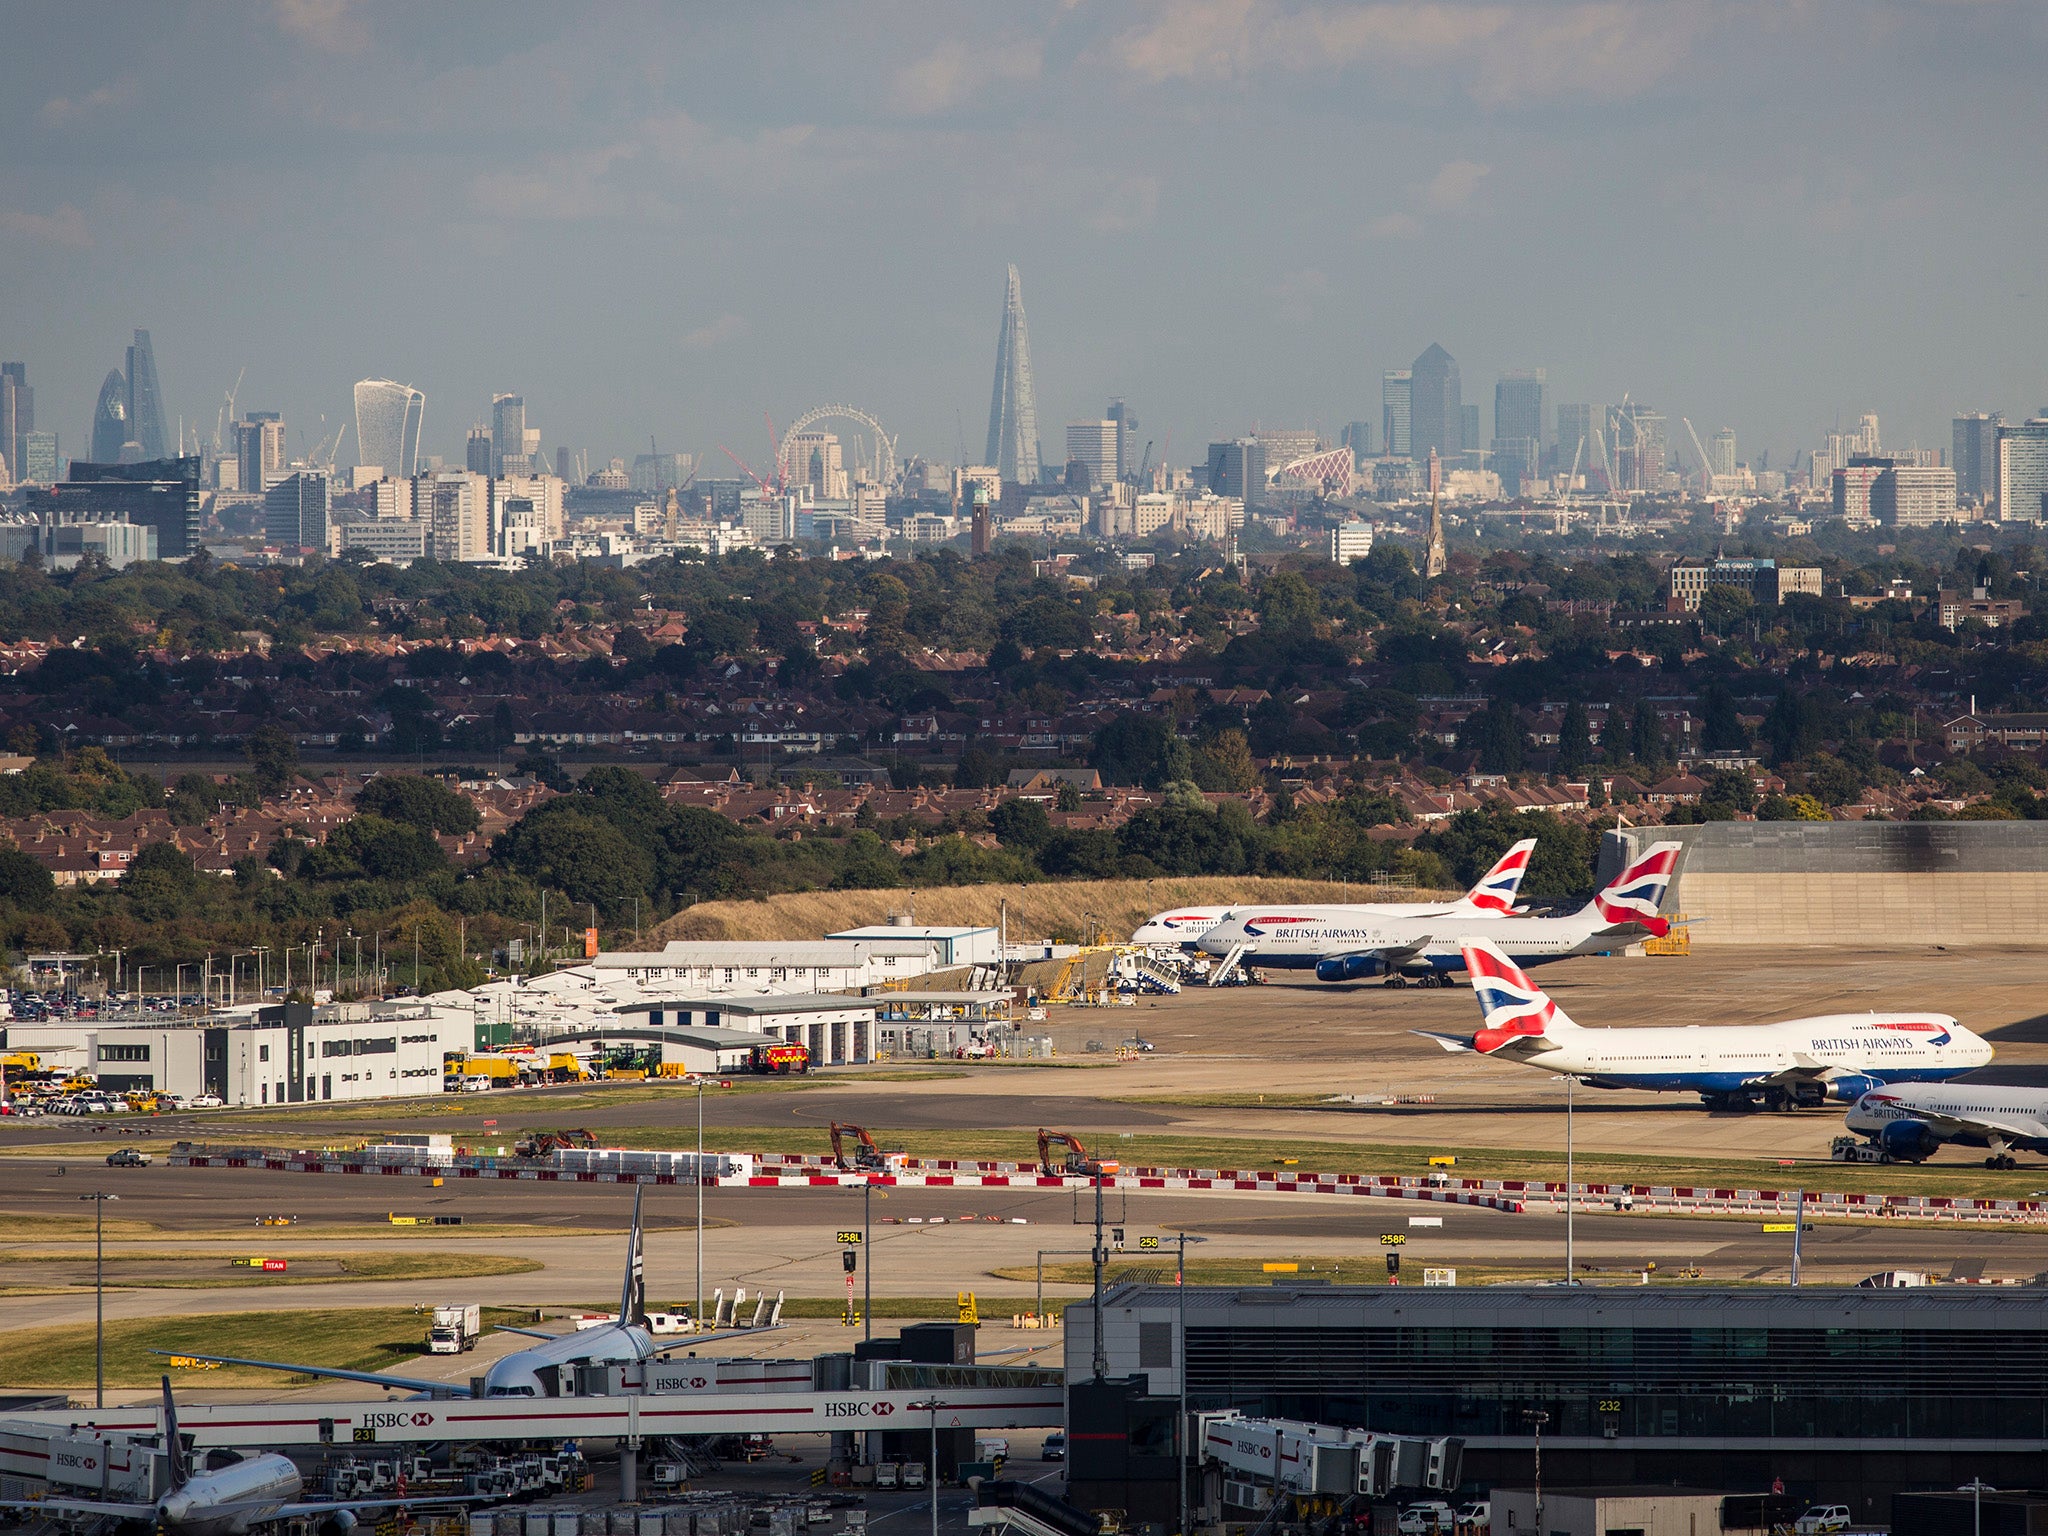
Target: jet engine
column 340, row 1523
column 1909, row 1141
column 1348, row 968
column 1847, row 1090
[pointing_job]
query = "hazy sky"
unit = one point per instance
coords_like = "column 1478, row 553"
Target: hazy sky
column 671, row 218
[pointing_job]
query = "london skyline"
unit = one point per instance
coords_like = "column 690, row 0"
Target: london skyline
column 664, row 223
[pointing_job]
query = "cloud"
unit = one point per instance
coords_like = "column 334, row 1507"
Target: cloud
column 1129, row 202
column 1505, row 54
column 725, row 328
column 65, row 227
column 554, row 187
column 60, row 110
column 332, row 25
column 1394, row 226
column 955, row 71
column 1453, row 186
column 1298, row 293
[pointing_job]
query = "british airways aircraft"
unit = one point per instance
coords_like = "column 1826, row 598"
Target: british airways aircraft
column 1840, row 1057
column 1429, row 944
column 1908, row 1122
column 1493, row 894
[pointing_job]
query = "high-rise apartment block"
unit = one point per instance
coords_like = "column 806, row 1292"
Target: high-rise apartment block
column 1436, row 408
column 1238, row 469
column 1974, row 454
column 297, row 510
column 1914, row 495
column 2023, row 471
column 454, row 510
column 38, row 459
column 1397, row 404
column 1349, row 542
column 1128, row 452
column 1093, row 445
column 508, row 432
column 1013, row 407
column 260, row 451
column 1721, row 453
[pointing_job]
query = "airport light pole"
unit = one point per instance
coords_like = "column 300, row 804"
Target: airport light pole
column 1180, row 1432
column 1977, row 1488
column 1571, row 1083
column 931, row 1478
column 1537, row 1418
column 99, row 1199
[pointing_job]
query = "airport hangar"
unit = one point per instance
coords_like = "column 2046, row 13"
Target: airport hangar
column 1859, row 884
column 1849, row 1395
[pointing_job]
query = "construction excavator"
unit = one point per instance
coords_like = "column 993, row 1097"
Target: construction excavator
column 542, row 1143
column 1076, row 1163
column 867, row 1157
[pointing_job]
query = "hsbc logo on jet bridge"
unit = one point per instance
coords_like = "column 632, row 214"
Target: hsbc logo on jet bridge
column 859, row 1408
column 418, row 1420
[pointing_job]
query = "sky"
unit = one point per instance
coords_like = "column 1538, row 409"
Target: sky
column 676, row 222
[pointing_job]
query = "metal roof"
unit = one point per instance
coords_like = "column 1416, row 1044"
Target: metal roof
column 755, row 1004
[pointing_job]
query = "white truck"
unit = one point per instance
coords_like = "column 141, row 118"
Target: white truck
column 455, row 1330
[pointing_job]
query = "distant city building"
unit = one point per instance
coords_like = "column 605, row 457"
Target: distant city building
column 260, row 451
column 162, row 494
column 1284, row 445
column 389, row 416
column 296, row 511
column 454, row 508
column 61, row 545
column 1436, row 411
column 1357, row 436
column 1974, row 455
column 1575, row 424
column 1766, row 582
column 508, row 431
column 2023, row 471
column 110, row 419
column 1636, row 437
column 1397, row 406
column 1721, row 453
column 476, row 457
column 652, row 472
column 38, row 459
column 1468, row 436
column 17, row 416
column 1013, row 408
column 1350, row 541
column 1093, row 445
column 1853, row 484
column 145, row 400
column 1238, row 469
column 816, row 460
column 1521, row 410
column 1914, row 495
column 398, row 540
column 1127, row 450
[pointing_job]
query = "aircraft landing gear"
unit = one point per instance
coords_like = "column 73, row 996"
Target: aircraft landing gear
column 2001, row 1160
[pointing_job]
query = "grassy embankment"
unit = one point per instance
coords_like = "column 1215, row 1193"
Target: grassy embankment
column 202, row 1270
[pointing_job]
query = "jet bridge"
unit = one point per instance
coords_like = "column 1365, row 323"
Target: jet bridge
column 1303, row 1458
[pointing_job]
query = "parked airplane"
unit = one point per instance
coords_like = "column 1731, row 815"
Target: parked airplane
column 230, row 1500
column 1494, row 893
column 1842, row 1057
column 1908, row 1122
column 548, row 1369
column 1430, row 944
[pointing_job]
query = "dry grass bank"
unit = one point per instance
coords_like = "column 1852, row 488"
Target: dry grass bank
column 1036, row 911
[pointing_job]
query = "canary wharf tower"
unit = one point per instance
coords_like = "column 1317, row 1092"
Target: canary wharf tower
column 1013, row 410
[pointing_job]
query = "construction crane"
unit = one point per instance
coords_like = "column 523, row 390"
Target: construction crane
column 541, row 1143
column 1571, row 480
column 867, row 1157
column 1144, row 463
column 227, row 413
column 1706, row 464
column 1076, row 1163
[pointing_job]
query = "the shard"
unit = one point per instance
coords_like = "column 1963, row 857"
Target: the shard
column 145, row 400
column 388, row 418
column 1013, row 410
column 110, row 420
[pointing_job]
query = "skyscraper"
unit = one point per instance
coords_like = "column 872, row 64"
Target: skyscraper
column 508, row 432
column 477, row 454
column 1093, row 445
column 1357, row 436
column 1575, row 425
column 1520, row 405
column 145, row 399
column 1239, row 469
column 388, row 419
column 296, row 511
column 259, row 450
column 1975, row 455
column 160, row 493
column 1013, row 408
column 1722, row 451
column 38, row 458
column 1126, row 437
column 1436, row 406
column 2023, row 471
column 110, row 419
column 17, row 416
column 1397, row 399
column 1637, row 435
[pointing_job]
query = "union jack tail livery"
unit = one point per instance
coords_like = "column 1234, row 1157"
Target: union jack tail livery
column 1496, row 889
column 1512, row 1007
column 1634, row 895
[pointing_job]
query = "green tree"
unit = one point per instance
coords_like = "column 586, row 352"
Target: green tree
column 1496, row 734
column 1722, row 730
column 1646, row 734
column 1574, row 739
column 24, row 882
column 1021, row 824
column 273, row 757
column 1226, row 763
column 418, row 801
column 1134, row 749
column 580, row 854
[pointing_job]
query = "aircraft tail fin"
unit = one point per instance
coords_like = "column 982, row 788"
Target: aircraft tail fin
column 1634, row 895
column 174, row 1447
column 1496, row 889
column 633, row 1294
column 1512, row 1008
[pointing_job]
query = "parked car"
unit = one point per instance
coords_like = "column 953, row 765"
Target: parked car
column 128, row 1157
column 1822, row 1520
column 1054, row 1449
column 1475, row 1514
column 1426, row 1518
column 205, row 1101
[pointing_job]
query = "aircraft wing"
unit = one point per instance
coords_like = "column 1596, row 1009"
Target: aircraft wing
column 696, row 1339
column 329, row 1506
column 531, row 1333
column 375, row 1378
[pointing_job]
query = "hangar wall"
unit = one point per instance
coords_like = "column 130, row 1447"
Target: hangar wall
column 1853, row 882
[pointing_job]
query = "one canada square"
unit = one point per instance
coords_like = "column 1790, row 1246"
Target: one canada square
column 1013, row 409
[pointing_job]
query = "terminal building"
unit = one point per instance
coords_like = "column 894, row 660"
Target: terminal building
column 1846, row 1395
